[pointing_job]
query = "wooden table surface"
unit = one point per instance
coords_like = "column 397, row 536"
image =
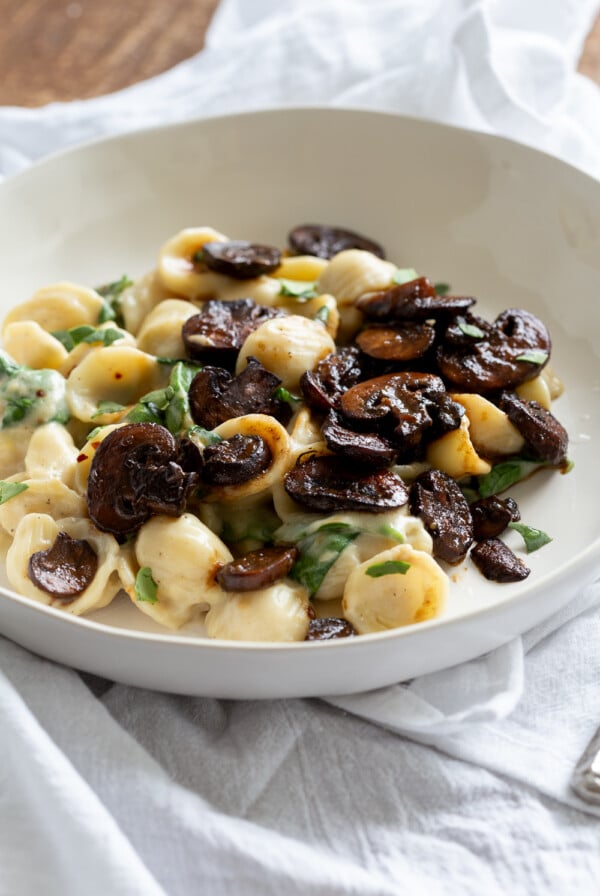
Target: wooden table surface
column 67, row 49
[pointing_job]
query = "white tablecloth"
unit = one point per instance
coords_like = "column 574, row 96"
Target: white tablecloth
column 456, row 783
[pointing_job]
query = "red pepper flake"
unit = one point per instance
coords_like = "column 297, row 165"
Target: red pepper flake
column 40, row 393
column 81, row 458
column 95, row 445
column 118, row 376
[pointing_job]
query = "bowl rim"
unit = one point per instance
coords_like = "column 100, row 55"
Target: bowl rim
column 582, row 566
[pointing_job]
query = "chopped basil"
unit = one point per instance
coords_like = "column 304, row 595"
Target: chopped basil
column 7, row 366
column 297, row 289
column 17, row 408
column 114, row 289
column 108, row 407
column 38, row 395
column 505, row 474
column 442, row 289
column 144, row 413
column 93, row 433
column 390, row 532
column 535, row 356
column 534, row 538
column 404, row 275
column 86, row 333
column 204, row 435
column 145, row 586
column 111, row 293
column 177, row 415
column 282, row 394
column 198, row 257
column 323, row 314
column 8, row 490
column 169, row 406
column 471, row 330
column 388, row 568
column 318, row 553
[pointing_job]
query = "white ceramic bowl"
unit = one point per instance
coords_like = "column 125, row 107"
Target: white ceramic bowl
column 495, row 219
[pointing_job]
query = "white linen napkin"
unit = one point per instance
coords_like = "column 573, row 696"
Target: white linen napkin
column 165, row 794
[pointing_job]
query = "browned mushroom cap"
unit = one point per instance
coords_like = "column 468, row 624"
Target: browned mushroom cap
column 367, row 448
column 325, row 242
column 240, row 259
column 402, row 342
column 437, row 499
column 492, row 515
column 216, row 334
column 466, row 329
column 334, row 375
column 445, row 413
column 66, row 569
column 398, row 403
column 137, row 471
column 216, row 396
column 323, row 484
column 329, row 627
column 496, row 561
column 235, row 460
column 545, row 437
column 514, row 350
column 257, row 569
column 415, row 300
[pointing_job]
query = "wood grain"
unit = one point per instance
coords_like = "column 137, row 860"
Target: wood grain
column 62, row 49
column 68, row 49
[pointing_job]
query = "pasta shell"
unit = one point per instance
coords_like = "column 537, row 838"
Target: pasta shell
column 287, row 346
column 115, row 374
column 58, row 307
column 454, row 453
column 37, row 532
column 277, row 440
column 51, row 454
column 375, row 604
column 32, row 346
column 42, row 496
column 352, row 273
column 307, row 268
column 490, row 430
column 138, row 300
column 183, row 555
column 160, row 333
column 278, row 613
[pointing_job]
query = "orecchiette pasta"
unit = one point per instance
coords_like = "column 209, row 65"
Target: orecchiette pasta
column 46, row 496
column 276, row 439
column 51, row 454
column 160, row 333
column 278, row 463
column 287, row 346
column 183, row 554
column 137, row 300
column 352, row 273
column 490, row 430
column 113, row 376
column 38, row 532
column 29, row 344
column 374, row 603
column 455, row 455
column 58, row 307
column 276, row 613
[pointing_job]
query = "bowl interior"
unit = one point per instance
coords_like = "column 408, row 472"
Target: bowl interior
column 494, row 219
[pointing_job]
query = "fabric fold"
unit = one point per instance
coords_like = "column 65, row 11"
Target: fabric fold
column 154, row 794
